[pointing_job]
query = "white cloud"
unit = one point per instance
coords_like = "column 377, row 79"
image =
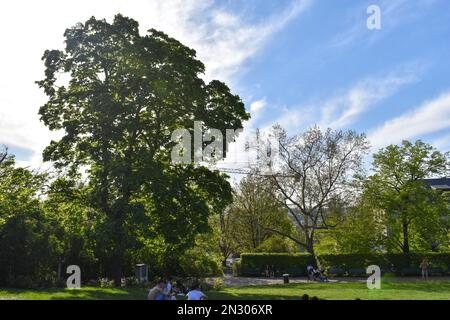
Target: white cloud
column 345, row 109
column 430, row 117
column 346, row 106
column 257, row 106
column 224, row 41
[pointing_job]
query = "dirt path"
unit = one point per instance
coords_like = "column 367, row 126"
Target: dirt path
column 230, row 281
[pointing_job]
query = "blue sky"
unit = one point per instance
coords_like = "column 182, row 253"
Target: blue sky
column 295, row 62
column 327, row 54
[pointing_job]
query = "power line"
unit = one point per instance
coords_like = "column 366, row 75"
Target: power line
column 251, row 172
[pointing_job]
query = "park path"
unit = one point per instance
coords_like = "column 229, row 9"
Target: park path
column 230, row 281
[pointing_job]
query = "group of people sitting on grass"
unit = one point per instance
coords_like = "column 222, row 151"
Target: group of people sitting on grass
column 165, row 290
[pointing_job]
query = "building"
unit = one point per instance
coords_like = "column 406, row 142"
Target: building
column 442, row 184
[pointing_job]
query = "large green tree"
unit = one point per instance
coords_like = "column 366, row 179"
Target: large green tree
column 413, row 211
column 126, row 94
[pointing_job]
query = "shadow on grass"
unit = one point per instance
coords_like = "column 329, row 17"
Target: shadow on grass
column 87, row 293
column 102, row 294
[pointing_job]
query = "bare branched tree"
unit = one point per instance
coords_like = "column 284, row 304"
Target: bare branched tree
column 312, row 178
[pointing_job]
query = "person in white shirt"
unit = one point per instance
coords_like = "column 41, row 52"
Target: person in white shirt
column 195, row 293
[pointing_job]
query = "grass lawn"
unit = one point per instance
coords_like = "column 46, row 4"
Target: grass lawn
column 432, row 290
column 435, row 290
column 85, row 293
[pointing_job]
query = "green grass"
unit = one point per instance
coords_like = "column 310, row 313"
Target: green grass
column 435, row 290
column 85, row 293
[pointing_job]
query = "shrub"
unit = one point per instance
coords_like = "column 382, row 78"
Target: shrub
column 199, row 266
column 236, row 268
column 254, row 264
column 106, row 283
column 218, row 284
column 22, row 282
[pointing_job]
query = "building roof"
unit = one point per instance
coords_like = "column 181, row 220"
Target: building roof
column 439, row 184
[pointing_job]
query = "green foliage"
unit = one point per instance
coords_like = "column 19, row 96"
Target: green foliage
column 253, row 212
column 361, row 231
column 415, row 216
column 193, row 264
column 254, row 264
column 277, row 244
column 26, row 255
column 126, row 95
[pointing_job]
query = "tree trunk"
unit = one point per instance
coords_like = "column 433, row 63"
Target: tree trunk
column 117, row 269
column 405, row 246
column 309, row 240
column 119, row 250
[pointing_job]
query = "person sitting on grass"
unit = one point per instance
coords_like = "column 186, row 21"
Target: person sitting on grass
column 310, row 272
column 157, row 292
column 318, row 274
column 195, row 293
column 315, row 274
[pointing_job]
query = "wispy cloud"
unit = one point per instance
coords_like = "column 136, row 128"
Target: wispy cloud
column 345, row 109
column 224, row 41
column 432, row 116
column 348, row 105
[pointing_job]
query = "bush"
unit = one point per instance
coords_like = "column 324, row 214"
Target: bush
column 192, row 265
column 236, row 268
column 254, row 264
column 106, row 283
column 22, row 282
column 218, row 284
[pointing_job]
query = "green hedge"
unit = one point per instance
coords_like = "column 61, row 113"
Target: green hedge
column 254, row 264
